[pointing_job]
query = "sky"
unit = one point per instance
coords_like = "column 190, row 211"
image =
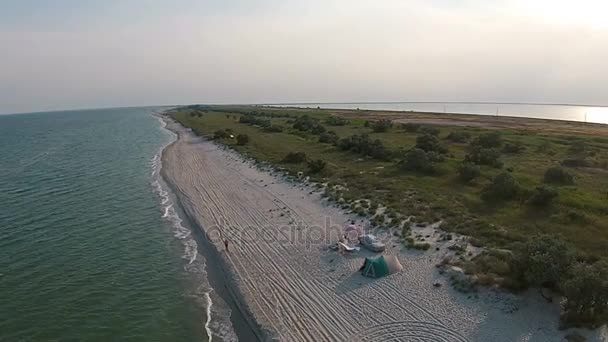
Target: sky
column 68, row 54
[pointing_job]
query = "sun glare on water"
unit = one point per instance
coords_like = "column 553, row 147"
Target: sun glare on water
column 597, row 114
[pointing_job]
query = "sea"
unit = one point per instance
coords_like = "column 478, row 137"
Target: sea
column 92, row 246
column 581, row 113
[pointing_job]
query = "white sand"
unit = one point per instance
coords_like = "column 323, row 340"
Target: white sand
column 298, row 290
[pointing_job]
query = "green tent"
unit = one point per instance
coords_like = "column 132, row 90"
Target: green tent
column 381, row 266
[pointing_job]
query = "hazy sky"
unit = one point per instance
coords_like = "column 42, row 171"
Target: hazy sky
column 61, row 54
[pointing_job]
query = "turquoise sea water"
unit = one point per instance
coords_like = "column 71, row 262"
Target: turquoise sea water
column 85, row 253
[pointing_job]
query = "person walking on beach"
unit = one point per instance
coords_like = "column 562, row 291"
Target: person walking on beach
column 226, row 244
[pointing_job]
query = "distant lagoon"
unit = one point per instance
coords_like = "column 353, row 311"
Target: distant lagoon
column 579, row 113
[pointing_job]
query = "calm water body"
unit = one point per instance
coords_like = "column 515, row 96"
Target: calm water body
column 541, row 111
column 90, row 246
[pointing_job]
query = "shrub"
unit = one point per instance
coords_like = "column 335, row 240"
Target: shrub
column 254, row 120
column 429, row 143
column 382, row 125
column 336, row 121
column 366, row 123
column 468, row 172
column 295, row 157
column 316, row 166
column 459, row 136
column 430, row 130
column 488, row 140
column 329, row 138
column 419, row 160
column 307, row 124
column 273, row 129
column 410, row 127
column 586, row 292
column 558, row 175
column 545, row 259
column 543, row 196
column 503, row 187
column 514, row 148
column 242, row 139
column 484, row 156
column 220, row 134
column 364, row 145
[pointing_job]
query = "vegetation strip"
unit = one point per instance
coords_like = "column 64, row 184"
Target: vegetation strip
column 536, row 200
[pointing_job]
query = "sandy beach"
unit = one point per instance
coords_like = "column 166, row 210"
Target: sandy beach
column 295, row 288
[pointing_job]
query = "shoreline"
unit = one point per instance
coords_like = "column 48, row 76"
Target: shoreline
column 242, row 325
column 321, row 295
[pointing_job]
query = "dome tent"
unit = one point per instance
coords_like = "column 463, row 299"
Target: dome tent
column 381, row 266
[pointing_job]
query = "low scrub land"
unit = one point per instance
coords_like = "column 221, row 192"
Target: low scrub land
column 533, row 192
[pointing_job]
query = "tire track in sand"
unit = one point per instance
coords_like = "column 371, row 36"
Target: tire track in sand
column 281, row 288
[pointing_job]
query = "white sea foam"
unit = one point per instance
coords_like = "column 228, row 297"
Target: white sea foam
column 183, row 234
column 208, row 322
column 179, row 231
column 217, row 323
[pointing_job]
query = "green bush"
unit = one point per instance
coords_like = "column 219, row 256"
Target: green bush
column 514, row 148
column 543, row 196
column 329, row 138
column 586, row 291
column 429, row 143
column 544, row 261
column 421, row 161
column 484, row 156
column 410, row 127
column 316, row 166
column 362, row 144
column 336, row 121
column 307, row 124
column 220, row 134
column 295, row 157
column 468, row 172
column 558, row 175
column 459, row 136
column 242, row 139
column 430, row 130
column 254, row 120
column 382, row 125
column 503, row 187
column 488, row 140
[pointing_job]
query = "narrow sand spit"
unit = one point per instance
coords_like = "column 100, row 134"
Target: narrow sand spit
column 297, row 289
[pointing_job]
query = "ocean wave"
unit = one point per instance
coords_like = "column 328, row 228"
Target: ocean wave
column 217, row 313
column 184, row 235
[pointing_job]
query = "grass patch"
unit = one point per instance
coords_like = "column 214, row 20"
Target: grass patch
column 578, row 213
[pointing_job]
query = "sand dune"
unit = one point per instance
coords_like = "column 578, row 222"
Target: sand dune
column 296, row 289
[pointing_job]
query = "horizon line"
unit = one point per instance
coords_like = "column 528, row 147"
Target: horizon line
column 307, row 103
column 437, row 102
